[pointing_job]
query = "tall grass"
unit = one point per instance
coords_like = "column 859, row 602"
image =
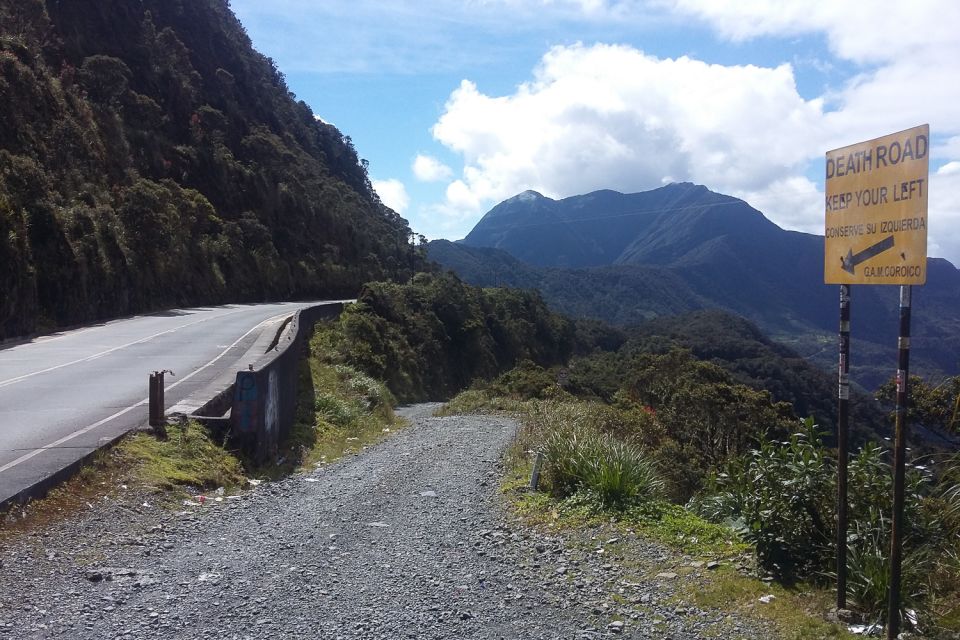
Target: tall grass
column 189, row 457
column 582, row 459
column 868, row 573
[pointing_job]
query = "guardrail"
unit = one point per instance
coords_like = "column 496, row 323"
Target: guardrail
column 265, row 396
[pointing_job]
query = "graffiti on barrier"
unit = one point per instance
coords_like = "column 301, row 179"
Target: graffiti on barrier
column 246, row 407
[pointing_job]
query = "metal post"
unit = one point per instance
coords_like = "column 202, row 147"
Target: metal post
column 535, row 476
column 156, row 399
column 899, row 455
column 842, row 432
column 157, row 419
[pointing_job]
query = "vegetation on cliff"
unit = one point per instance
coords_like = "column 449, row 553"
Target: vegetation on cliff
column 432, row 337
column 150, row 157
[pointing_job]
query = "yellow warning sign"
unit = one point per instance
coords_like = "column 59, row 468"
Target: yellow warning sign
column 876, row 210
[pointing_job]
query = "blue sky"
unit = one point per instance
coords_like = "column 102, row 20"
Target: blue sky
column 459, row 105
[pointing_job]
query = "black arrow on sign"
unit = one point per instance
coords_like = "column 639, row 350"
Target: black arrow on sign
column 851, row 261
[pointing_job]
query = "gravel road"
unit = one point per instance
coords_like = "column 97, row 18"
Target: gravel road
column 407, row 539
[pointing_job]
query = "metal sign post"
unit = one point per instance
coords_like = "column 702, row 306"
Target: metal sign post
column 842, row 431
column 876, row 233
column 899, row 463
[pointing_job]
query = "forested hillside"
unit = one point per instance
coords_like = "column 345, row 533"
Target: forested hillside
column 625, row 258
column 433, row 336
column 149, row 157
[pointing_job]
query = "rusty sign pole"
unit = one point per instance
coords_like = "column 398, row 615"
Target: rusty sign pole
column 842, row 432
column 899, row 463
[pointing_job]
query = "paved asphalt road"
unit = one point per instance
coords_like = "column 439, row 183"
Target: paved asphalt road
column 63, row 395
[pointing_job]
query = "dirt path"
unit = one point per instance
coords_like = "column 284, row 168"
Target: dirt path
column 405, row 540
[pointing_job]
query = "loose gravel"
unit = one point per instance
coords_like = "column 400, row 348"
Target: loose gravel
column 408, row 539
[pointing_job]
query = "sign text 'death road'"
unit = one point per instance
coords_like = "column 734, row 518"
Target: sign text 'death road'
column 876, row 210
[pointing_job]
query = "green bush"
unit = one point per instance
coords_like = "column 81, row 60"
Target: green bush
column 525, row 381
column 780, row 497
column 565, row 449
column 371, row 393
column 335, row 409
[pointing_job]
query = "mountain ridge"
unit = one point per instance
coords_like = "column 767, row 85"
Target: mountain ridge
column 714, row 251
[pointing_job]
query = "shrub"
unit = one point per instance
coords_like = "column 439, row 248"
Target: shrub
column 567, row 450
column 525, row 381
column 335, row 409
column 780, row 496
column 371, row 392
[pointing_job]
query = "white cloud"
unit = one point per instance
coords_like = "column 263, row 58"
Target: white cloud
column 612, row 117
column 875, row 31
column 794, row 202
column 392, row 193
column 429, row 169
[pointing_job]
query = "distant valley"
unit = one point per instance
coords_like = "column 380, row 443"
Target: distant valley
column 629, row 258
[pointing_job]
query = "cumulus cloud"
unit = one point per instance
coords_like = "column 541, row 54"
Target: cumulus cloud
column 392, row 193
column 877, row 31
column 429, row 169
column 609, row 116
column 900, row 50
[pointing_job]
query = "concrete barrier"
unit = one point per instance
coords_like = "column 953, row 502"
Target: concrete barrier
column 265, row 396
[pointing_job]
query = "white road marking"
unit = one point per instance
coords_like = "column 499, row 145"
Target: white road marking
column 88, row 428
column 10, row 381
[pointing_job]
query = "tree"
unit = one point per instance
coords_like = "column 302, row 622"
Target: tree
column 105, row 78
column 933, row 406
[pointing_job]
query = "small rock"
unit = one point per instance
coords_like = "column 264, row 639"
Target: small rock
column 713, row 565
column 615, row 627
column 94, row 575
column 667, row 575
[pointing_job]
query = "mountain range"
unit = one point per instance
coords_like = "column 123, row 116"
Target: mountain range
column 629, row 258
